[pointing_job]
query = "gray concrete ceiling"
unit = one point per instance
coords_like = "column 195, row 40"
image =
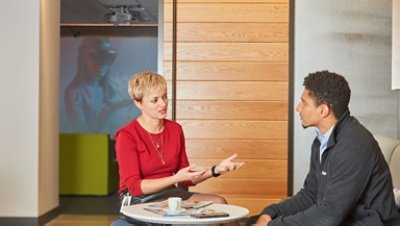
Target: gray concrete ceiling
column 94, row 12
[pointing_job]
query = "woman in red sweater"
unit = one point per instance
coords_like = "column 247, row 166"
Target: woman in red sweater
column 151, row 151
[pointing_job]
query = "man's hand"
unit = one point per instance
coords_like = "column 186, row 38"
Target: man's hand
column 263, row 220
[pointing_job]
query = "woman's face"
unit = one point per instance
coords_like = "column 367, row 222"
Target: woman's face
column 154, row 104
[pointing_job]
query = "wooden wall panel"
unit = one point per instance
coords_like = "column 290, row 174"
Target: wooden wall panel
column 231, row 110
column 230, row 52
column 235, row 129
column 228, row 71
column 232, row 92
column 244, row 188
column 255, row 205
column 246, row 149
column 231, row 1
column 239, row 90
column 229, row 32
column 230, row 12
column 267, row 169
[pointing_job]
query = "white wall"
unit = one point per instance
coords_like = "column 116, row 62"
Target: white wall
column 352, row 38
column 20, row 109
column 22, row 153
column 396, row 45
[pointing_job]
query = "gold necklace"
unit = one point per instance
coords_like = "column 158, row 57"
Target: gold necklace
column 158, row 147
column 157, row 144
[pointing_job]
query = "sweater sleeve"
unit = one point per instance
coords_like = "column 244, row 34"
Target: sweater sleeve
column 128, row 163
column 304, row 199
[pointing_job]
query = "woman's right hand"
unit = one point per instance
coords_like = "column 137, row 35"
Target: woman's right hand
column 189, row 173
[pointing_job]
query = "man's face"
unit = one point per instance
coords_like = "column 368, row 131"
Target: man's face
column 310, row 114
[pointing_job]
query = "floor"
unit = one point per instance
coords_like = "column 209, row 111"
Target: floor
column 82, row 220
column 87, row 211
column 98, row 205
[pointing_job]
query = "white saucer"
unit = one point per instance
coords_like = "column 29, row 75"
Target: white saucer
column 171, row 212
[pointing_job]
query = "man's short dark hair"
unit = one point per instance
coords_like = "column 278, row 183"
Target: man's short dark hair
column 329, row 88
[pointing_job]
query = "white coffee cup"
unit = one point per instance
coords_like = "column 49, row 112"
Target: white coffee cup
column 174, row 203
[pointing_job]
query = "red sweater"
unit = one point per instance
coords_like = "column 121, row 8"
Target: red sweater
column 138, row 159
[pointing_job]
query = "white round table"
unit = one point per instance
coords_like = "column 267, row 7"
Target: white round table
column 139, row 213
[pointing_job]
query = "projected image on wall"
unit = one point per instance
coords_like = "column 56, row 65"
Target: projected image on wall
column 94, row 78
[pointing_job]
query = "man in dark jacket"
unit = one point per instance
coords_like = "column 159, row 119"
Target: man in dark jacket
column 349, row 181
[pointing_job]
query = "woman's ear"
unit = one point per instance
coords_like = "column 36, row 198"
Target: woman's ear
column 138, row 104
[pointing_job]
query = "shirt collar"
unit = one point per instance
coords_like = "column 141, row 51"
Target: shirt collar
column 323, row 137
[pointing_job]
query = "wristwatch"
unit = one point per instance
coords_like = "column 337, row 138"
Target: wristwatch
column 213, row 173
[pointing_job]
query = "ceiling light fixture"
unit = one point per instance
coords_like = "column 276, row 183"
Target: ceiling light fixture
column 125, row 14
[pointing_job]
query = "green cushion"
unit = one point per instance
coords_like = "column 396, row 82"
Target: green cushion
column 86, row 165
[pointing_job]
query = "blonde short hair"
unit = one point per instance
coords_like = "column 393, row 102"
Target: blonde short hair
column 144, row 82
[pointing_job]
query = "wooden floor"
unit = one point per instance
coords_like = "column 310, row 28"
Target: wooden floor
column 82, row 220
column 91, row 220
column 89, row 211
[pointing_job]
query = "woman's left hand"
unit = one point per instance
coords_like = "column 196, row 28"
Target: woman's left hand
column 228, row 164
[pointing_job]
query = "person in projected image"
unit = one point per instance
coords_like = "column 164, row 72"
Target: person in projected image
column 151, row 152
column 349, row 181
column 91, row 97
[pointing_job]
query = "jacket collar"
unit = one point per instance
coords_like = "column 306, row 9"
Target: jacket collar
column 332, row 139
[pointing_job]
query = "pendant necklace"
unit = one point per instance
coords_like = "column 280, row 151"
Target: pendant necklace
column 158, row 146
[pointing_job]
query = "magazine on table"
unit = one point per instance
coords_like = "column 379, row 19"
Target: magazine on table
column 203, row 213
column 208, row 213
column 167, row 213
column 187, row 208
